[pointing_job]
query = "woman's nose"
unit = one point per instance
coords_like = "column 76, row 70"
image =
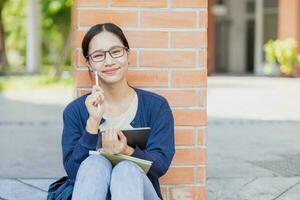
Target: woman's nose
column 108, row 59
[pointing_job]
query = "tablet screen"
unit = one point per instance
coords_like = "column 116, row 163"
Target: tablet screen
column 135, row 137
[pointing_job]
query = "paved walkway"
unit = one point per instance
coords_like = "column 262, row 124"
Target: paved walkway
column 249, row 160
column 30, row 130
column 253, row 138
column 258, row 98
column 253, row 144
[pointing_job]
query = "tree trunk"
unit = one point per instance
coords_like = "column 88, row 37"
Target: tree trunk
column 63, row 57
column 4, row 66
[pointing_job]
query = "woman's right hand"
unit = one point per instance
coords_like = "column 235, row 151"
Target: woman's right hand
column 92, row 101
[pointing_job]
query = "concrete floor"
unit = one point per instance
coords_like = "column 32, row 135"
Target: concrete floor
column 253, row 138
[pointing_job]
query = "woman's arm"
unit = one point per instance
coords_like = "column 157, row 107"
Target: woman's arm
column 76, row 142
column 160, row 146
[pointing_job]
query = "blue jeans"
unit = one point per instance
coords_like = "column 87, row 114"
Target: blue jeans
column 97, row 180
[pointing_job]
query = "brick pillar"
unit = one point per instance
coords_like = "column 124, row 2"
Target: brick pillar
column 211, row 38
column 289, row 20
column 168, row 40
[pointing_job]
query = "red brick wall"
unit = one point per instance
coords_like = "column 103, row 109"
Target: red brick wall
column 289, row 20
column 168, row 39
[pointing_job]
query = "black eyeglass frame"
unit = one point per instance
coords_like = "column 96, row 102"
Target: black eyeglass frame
column 109, row 51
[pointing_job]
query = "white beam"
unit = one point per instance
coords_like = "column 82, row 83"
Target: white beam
column 237, row 36
column 259, row 20
column 33, row 47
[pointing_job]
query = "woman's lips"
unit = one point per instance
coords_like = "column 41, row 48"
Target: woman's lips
column 110, row 71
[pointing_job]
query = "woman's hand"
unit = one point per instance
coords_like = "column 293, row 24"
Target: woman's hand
column 114, row 142
column 92, row 101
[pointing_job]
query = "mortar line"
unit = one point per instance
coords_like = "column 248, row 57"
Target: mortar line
column 289, row 188
column 248, row 182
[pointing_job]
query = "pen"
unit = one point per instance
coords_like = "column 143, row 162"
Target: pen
column 97, row 83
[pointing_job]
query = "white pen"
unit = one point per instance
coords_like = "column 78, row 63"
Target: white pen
column 97, row 83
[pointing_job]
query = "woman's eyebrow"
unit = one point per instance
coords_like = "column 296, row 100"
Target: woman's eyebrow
column 109, row 48
column 97, row 50
column 114, row 46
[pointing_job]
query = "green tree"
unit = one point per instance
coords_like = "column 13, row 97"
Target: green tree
column 56, row 24
column 14, row 21
column 3, row 57
column 55, row 35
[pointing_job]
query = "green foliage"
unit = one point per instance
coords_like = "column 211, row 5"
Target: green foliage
column 55, row 25
column 14, row 19
column 284, row 53
column 49, row 69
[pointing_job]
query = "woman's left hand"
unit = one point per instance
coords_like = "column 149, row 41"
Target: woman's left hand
column 114, row 142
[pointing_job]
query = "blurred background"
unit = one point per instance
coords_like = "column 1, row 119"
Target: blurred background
column 35, row 39
column 252, row 97
column 253, row 100
column 35, row 85
column 254, row 37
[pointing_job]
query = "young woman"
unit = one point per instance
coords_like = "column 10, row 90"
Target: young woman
column 112, row 106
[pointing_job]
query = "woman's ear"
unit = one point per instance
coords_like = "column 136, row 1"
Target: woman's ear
column 128, row 57
column 90, row 68
column 89, row 65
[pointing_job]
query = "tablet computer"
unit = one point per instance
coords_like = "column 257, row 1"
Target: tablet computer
column 135, row 137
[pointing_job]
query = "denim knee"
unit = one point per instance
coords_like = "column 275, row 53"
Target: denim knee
column 94, row 164
column 126, row 167
column 126, row 181
column 93, row 178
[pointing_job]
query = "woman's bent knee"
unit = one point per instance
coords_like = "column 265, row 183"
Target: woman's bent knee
column 126, row 168
column 96, row 160
column 93, row 178
column 95, row 164
column 125, row 178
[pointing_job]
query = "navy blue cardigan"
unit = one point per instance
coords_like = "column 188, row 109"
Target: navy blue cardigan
column 153, row 111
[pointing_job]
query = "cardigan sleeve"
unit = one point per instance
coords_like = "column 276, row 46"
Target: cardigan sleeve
column 76, row 142
column 160, row 147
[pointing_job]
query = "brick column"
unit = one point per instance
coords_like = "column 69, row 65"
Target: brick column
column 168, row 40
column 289, row 20
column 211, row 38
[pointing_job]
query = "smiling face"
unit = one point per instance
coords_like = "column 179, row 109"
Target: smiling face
column 114, row 67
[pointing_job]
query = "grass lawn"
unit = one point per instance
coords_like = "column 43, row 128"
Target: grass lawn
column 34, row 82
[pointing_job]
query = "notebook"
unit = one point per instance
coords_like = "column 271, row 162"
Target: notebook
column 135, row 137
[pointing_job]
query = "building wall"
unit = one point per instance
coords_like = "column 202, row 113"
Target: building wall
column 237, row 36
column 227, row 38
column 168, row 39
column 235, row 29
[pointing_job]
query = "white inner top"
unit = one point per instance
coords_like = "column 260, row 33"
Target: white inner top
column 122, row 121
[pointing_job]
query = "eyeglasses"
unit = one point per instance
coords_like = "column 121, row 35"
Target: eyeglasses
column 114, row 52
